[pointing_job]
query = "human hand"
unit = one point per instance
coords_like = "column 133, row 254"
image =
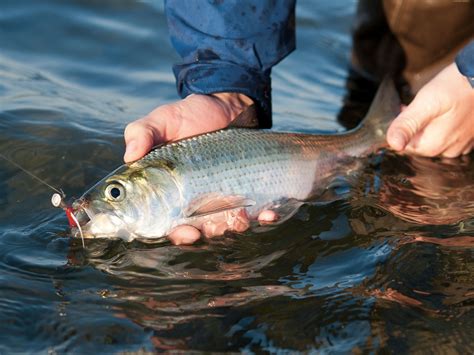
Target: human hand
column 440, row 119
column 193, row 115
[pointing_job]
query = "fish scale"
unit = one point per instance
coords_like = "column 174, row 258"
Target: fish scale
column 266, row 166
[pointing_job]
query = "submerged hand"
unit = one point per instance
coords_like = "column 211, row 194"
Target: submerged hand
column 217, row 224
column 439, row 121
column 193, row 115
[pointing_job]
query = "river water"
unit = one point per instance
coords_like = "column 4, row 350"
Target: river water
column 387, row 268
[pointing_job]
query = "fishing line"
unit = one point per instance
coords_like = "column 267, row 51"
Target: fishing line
column 56, row 199
column 59, row 191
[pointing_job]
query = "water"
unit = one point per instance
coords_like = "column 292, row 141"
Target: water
column 388, row 268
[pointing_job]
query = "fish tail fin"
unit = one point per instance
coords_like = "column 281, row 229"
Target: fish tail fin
column 384, row 108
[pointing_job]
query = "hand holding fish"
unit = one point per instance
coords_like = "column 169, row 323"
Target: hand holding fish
column 439, row 121
column 193, row 115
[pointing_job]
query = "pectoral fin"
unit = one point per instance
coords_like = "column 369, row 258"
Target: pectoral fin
column 216, row 203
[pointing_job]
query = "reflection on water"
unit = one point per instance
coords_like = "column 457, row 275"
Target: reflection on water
column 387, row 267
column 433, row 191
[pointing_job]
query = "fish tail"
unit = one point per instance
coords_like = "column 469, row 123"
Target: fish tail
column 384, row 108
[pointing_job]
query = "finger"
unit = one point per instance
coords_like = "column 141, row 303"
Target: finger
column 468, row 149
column 184, row 235
column 214, row 229
column 139, row 139
column 267, row 216
column 241, row 222
column 234, row 221
column 412, row 120
column 425, row 144
column 456, row 150
column 440, row 135
column 451, row 153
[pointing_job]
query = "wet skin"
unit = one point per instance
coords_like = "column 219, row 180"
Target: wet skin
column 217, row 224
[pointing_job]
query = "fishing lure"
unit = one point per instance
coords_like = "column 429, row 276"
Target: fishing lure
column 57, row 199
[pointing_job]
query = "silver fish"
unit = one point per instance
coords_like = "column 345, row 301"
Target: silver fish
column 231, row 169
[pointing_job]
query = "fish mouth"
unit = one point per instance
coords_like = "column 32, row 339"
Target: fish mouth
column 93, row 224
column 83, row 218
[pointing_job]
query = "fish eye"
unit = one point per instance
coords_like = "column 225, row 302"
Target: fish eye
column 115, row 192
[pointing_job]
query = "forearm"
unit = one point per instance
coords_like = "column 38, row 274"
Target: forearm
column 230, row 47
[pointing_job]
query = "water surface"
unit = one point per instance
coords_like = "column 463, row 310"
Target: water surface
column 387, row 268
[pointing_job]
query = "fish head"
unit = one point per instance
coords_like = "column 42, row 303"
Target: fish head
column 131, row 202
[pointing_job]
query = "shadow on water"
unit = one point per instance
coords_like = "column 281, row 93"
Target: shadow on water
column 386, row 268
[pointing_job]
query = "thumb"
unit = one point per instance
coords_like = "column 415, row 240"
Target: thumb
column 139, row 140
column 412, row 120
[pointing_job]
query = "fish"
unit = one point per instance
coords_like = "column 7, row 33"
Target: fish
column 234, row 169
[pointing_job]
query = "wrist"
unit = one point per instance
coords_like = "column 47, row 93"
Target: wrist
column 233, row 97
column 234, row 103
column 462, row 81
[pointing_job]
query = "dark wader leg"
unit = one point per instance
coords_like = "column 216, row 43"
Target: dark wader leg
column 410, row 40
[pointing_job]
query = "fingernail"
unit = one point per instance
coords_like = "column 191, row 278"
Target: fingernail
column 130, row 149
column 397, row 140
